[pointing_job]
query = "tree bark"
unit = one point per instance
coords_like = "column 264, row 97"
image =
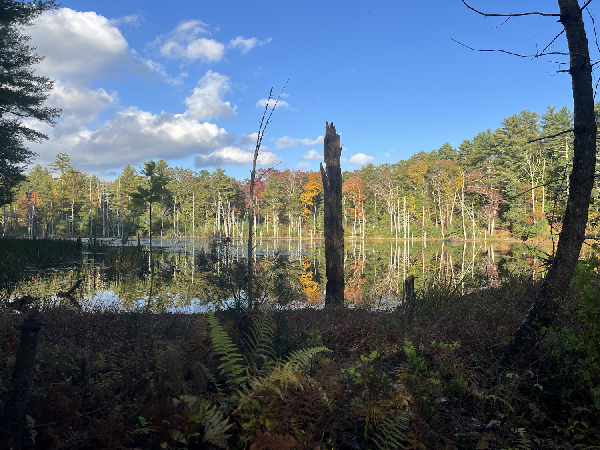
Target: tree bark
column 521, row 350
column 22, row 376
column 334, row 231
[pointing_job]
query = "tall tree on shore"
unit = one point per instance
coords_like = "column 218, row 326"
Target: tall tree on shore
column 22, row 94
column 156, row 188
column 556, row 283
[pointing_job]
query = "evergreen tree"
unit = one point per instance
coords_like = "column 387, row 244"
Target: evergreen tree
column 22, row 94
column 156, row 188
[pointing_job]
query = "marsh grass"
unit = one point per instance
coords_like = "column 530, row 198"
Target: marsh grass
column 19, row 257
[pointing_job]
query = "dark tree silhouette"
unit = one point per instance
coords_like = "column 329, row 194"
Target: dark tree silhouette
column 521, row 350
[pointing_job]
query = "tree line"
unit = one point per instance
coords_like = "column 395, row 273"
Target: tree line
column 511, row 182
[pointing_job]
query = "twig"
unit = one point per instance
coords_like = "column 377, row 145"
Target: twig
column 516, row 14
column 570, row 130
column 536, row 55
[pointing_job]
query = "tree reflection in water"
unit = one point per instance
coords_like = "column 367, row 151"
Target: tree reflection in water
column 193, row 275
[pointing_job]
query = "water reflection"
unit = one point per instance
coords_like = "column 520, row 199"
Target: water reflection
column 195, row 274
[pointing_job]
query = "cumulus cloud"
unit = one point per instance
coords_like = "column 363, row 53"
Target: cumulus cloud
column 245, row 45
column 132, row 19
column 77, row 44
column 312, row 155
column 249, row 139
column 280, row 104
column 206, row 100
column 131, row 136
column 184, row 42
column 82, row 46
column 288, row 142
column 361, row 159
column 84, row 103
column 301, row 165
column 234, row 155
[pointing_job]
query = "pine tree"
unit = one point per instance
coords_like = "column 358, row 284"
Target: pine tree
column 22, row 94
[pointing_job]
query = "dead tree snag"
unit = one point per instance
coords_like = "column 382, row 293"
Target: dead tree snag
column 334, row 232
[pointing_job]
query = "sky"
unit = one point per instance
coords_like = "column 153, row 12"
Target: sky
column 187, row 81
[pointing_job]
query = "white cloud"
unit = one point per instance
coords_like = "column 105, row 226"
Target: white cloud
column 280, row 104
column 184, row 43
column 361, row 159
column 247, row 44
column 288, row 142
column 132, row 19
column 84, row 103
column 132, row 136
column 234, row 155
column 312, row 155
column 144, row 66
column 206, row 100
column 249, row 139
column 77, row 44
column 302, row 165
column 82, row 46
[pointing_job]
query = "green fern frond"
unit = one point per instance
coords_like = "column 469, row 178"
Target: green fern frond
column 261, row 338
column 392, row 433
column 215, row 427
column 301, row 360
column 212, row 378
column 231, row 367
column 282, row 374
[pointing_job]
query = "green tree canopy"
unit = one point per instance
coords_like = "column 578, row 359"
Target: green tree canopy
column 22, row 94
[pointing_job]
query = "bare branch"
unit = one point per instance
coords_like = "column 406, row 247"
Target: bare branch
column 551, row 136
column 516, row 14
column 537, row 55
column 586, row 4
column 552, row 41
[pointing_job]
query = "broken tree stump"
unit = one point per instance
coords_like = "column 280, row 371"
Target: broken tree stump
column 410, row 301
column 334, row 232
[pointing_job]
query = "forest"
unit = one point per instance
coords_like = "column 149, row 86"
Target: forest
column 507, row 183
column 476, row 355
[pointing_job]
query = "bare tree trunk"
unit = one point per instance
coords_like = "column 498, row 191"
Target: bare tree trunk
column 22, row 376
column 334, row 232
column 519, row 353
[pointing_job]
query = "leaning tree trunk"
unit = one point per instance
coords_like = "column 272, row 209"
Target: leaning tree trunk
column 519, row 353
column 20, row 383
column 334, row 232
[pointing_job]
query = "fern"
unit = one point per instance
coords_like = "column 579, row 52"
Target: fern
column 215, row 427
column 231, row 368
column 393, row 432
column 260, row 339
column 523, row 443
column 301, row 360
column 290, row 372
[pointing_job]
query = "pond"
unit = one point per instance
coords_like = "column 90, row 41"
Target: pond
column 193, row 275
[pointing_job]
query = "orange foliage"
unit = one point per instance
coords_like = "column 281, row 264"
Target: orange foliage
column 311, row 189
column 310, row 287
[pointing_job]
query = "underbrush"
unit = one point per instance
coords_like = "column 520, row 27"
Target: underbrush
column 306, row 379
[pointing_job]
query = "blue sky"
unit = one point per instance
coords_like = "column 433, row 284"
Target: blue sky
column 186, row 82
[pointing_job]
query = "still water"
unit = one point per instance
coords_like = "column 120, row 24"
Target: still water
column 193, row 275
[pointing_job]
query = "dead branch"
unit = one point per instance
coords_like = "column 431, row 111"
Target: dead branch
column 515, row 14
column 68, row 294
column 536, row 55
column 570, row 130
